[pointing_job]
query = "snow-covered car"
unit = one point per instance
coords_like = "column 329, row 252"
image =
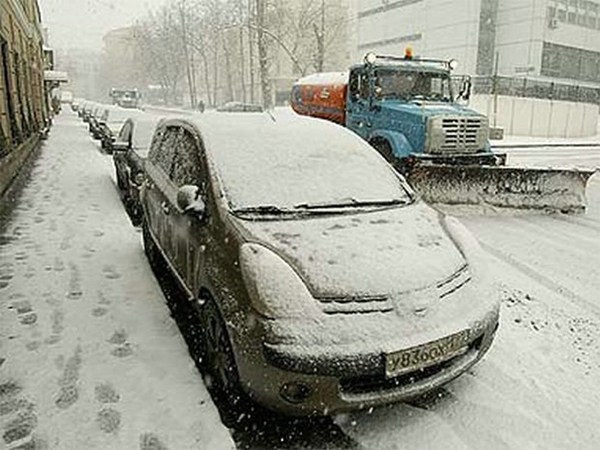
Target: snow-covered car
column 109, row 124
column 240, row 107
column 130, row 149
column 75, row 104
column 319, row 281
column 94, row 121
column 87, row 110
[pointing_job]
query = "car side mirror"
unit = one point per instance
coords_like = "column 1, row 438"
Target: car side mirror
column 190, row 202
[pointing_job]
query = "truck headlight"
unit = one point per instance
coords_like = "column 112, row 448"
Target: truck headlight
column 275, row 289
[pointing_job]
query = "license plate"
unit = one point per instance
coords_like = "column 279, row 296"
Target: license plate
column 426, row 355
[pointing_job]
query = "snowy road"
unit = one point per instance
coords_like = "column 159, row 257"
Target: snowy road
column 89, row 356
column 82, row 322
column 538, row 386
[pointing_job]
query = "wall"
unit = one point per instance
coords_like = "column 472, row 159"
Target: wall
column 23, row 107
column 433, row 28
column 22, row 99
column 541, row 118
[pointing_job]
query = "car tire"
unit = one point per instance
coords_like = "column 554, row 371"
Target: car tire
column 218, row 362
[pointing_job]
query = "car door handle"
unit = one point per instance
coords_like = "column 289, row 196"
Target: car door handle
column 165, row 208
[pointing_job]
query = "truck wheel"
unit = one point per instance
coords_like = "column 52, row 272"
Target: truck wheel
column 385, row 149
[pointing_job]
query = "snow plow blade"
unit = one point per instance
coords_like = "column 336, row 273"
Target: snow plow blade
column 552, row 190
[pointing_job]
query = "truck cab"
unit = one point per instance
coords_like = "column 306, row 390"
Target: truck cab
column 408, row 110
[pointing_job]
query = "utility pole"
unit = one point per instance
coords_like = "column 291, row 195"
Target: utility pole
column 242, row 56
column 495, row 88
column 251, row 49
column 263, row 62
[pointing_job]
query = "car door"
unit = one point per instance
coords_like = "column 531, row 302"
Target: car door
column 119, row 157
column 160, row 190
column 189, row 230
column 358, row 117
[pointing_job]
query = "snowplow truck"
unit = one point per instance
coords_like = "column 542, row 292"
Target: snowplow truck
column 408, row 110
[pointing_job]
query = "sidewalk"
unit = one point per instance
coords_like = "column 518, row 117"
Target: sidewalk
column 89, row 355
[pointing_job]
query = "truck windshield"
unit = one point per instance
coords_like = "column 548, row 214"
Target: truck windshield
column 411, row 85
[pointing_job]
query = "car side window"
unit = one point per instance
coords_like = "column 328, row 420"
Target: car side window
column 186, row 166
column 163, row 148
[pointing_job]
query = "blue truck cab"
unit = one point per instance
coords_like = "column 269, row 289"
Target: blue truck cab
column 406, row 109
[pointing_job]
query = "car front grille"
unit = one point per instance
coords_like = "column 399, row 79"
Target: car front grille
column 454, row 282
column 356, row 305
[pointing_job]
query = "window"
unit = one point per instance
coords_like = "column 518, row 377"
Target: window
column 186, row 166
column 359, row 85
column 163, row 148
column 569, row 62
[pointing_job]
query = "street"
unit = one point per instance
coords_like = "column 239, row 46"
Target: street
column 83, row 320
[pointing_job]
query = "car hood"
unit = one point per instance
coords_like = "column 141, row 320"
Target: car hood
column 428, row 109
column 352, row 255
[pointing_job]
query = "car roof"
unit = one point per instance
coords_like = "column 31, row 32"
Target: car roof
column 243, row 148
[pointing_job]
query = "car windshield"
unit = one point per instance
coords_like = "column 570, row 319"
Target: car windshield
column 142, row 135
column 269, row 170
column 411, row 85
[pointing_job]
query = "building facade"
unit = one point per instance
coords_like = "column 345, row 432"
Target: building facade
column 23, row 104
column 538, row 46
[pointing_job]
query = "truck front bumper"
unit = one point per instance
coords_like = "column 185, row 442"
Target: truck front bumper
column 459, row 159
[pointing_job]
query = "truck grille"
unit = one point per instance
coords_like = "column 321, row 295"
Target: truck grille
column 460, row 134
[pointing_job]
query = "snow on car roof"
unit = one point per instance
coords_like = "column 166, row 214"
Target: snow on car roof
column 324, row 78
column 293, row 160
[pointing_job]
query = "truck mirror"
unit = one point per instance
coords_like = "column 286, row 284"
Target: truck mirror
column 465, row 91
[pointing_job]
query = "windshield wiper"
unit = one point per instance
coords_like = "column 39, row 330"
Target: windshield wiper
column 353, row 203
column 262, row 209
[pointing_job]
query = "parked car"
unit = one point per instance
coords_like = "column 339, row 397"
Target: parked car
column 75, row 104
column 110, row 123
column 240, row 107
column 88, row 110
column 320, row 282
column 130, row 150
column 94, row 121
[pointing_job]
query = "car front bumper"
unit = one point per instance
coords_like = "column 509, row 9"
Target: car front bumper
column 342, row 378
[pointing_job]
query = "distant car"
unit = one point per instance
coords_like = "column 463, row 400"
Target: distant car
column 75, row 104
column 319, row 282
column 110, row 123
column 94, row 120
column 130, row 150
column 240, row 107
column 87, row 111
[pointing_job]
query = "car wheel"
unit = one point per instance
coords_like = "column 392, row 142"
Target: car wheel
column 216, row 351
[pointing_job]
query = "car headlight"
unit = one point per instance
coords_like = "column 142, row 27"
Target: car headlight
column 468, row 246
column 275, row 289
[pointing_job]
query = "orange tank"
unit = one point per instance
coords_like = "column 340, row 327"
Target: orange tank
column 321, row 95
